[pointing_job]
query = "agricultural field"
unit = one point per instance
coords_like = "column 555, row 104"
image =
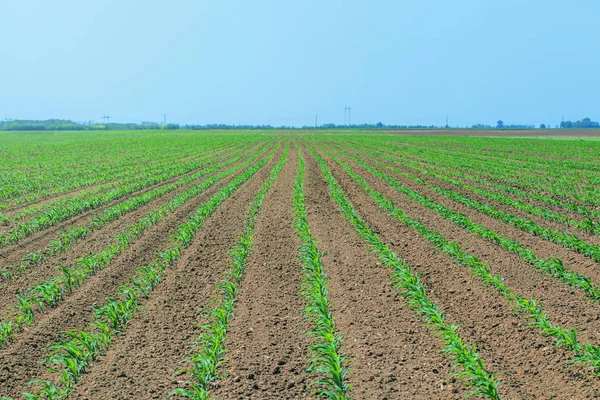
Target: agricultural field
column 298, row 264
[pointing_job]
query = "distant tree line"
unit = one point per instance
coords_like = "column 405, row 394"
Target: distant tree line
column 584, row 123
column 501, row 125
column 378, row 125
column 67, row 125
column 49, row 124
column 226, row 127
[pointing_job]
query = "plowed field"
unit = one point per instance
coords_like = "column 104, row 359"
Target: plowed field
column 288, row 265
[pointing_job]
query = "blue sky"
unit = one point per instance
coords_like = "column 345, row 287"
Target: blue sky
column 282, row 62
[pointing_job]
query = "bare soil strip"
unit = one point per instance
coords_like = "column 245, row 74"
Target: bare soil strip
column 563, row 305
column 267, row 346
column 392, row 354
column 543, row 248
column 20, row 361
column 92, row 244
column 588, row 237
column 425, row 164
column 526, row 363
column 141, row 362
column 39, row 240
column 10, row 211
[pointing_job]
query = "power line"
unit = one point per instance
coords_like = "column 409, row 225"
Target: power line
column 348, row 109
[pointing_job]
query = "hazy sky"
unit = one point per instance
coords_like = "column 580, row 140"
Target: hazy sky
column 281, row 62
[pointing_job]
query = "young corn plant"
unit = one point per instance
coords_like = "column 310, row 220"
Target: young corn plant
column 4, row 220
column 469, row 365
column 74, row 234
column 326, row 358
column 78, row 205
column 584, row 353
column 207, row 354
column 567, row 240
column 441, row 170
column 50, row 293
column 70, row 358
column 553, row 267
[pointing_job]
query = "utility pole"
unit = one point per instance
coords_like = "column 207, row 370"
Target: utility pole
column 165, row 121
column 316, row 116
column 347, row 108
column 447, row 121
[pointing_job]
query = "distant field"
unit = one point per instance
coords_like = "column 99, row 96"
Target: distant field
column 294, row 264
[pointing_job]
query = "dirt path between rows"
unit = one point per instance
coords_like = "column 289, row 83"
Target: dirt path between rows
column 40, row 240
column 545, row 223
column 20, row 361
column 393, row 355
column 92, row 244
column 10, row 211
column 564, row 305
column 527, row 364
column 267, row 345
column 142, row 361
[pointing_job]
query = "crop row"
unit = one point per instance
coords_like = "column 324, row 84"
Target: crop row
column 50, row 293
column 59, row 213
column 57, row 176
column 588, row 354
column 549, row 171
column 209, row 349
column 457, row 178
column 468, row 365
column 326, row 357
column 564, row 239
column 76, row 233
column 553, row 266
column 498, row 171
column 70, row 358
column 125, row 178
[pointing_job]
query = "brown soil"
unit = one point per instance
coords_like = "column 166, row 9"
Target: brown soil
column 392, row 354
column 526, row 363
column 542, row 248
column 92, row 244
column 267, row 345
column 47, row 199
column 20, row 361
column 564, row 306
column 142, row 361
column 39, row 240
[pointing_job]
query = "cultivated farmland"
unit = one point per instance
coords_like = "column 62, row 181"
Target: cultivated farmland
column 298, row 264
